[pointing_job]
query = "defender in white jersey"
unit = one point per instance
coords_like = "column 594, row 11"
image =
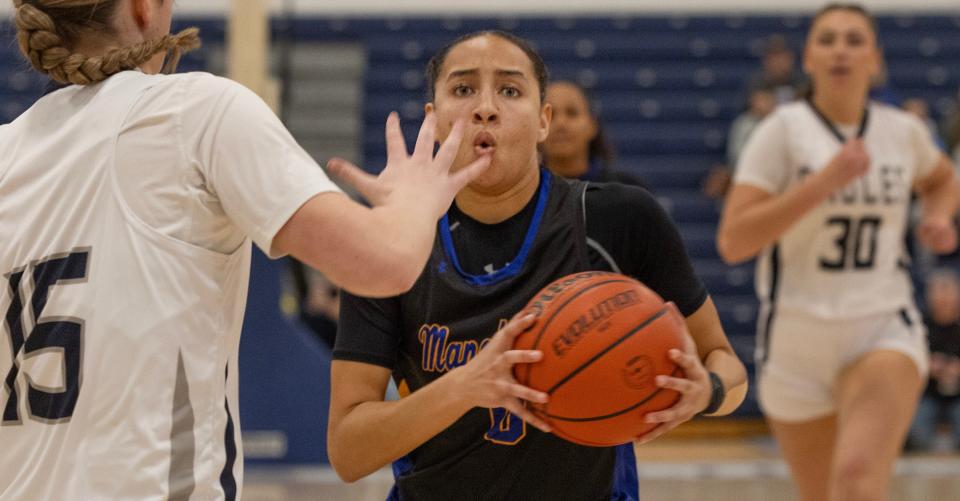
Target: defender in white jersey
column 821, row 196
column 127, row 205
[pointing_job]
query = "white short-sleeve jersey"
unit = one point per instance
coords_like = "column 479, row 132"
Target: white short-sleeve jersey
column 846, row 258
column 126, row 214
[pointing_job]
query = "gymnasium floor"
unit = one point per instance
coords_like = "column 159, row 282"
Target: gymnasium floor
column 685, row 468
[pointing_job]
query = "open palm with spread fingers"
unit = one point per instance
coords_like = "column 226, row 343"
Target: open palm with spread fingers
column 694, row 391
column 420, row 179
column 487, row 380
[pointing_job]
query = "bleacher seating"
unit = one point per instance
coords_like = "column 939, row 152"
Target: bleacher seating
column 667, row 87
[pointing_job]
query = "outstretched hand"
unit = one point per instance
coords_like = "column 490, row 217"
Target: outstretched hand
column 421, row 179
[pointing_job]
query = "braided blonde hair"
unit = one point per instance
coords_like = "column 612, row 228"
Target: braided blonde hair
column 48, row 29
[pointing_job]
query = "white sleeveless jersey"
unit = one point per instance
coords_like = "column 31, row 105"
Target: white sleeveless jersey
column 125, row 212
column 846, row 258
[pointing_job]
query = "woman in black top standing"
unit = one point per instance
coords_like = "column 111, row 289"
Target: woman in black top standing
column 460, row 430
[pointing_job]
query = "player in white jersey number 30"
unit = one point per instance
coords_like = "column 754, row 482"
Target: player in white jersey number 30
column 821, row 196
column 128, row 201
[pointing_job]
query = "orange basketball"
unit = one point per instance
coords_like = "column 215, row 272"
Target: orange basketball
column 604, row 338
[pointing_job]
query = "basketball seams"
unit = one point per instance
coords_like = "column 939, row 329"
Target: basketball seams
column 581, row 304
column 663, row 311
column 675, row 373
column 526, row 368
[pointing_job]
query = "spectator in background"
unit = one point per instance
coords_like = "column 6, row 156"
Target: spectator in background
column 310, row 297
column 881, row 90
column 760, row 104
column 314, row 300
column 778, row 73
column 576, row 146
column 918, row 107
column 942, row 396
column 778, row 81
column 924, row 260
column 950, row 128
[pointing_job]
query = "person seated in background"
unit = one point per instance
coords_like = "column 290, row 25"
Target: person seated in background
column 950, row 128
column 925, row 260
column 762, row 101
column 314, row 300
column 777, row 82
column 778, row 73
column 576, row 147
column 882, row 89
column 918, row 107
column 942, row 395
column 309, row 296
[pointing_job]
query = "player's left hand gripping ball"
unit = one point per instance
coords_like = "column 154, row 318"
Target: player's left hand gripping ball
column 694, row 390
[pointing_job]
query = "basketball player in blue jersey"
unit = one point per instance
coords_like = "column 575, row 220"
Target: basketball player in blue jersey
column 821, row 195
column 461, row 431
column 128, row 201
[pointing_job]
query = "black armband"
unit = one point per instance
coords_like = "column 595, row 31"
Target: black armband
column 717, row 394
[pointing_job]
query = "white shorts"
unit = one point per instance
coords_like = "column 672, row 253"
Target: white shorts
column 798, row 362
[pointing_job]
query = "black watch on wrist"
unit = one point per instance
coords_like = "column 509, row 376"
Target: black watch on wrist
column 717, row 394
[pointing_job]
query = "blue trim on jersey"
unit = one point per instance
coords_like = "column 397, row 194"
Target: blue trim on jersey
column 227, row 480
column 400, row 467
column 626, row 486
column 517, row 264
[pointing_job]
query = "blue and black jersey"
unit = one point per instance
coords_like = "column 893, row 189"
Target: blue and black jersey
column 479, row 276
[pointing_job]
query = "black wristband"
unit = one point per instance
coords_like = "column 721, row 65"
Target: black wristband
column 717, row 394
